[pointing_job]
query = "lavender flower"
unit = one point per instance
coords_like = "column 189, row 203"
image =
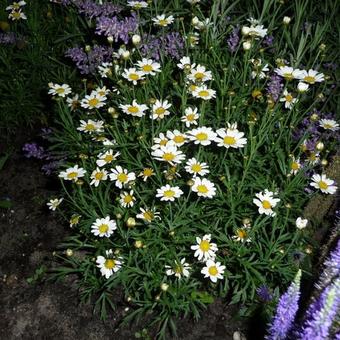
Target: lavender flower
column 171, row 45
column 49, row 168
column 274, row 87
column 33, row 150
column 286, row 311
column 264, row 293
column 88, row 62
column 321, row 314
column 268, row 41
column 331, row 268
column 233, row 39
column 11, row 38
column 92, row 9
column 118, row 29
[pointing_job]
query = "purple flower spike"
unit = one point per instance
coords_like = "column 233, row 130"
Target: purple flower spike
column 286, row 311
column 233, row 39
column 264, row 293
column 33, row 150
column 274, row 87
column 321, row 314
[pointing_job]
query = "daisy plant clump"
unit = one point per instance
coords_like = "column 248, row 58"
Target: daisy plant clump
column 185, row 178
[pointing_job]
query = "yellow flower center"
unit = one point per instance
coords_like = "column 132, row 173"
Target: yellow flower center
column 288, row 76
column 289, row 98
column 199, row 76
column 266, row 204
column 159, row 111
column 148, row 215
column 128, row 199
column 133, row 76
column 169, row 193
column 192, row 87
column 93, row 102
column 328, row 126
column 90, row 127
column 163, row 142
column 196, row 168
column 122, row 177
column 191, row 117
column 103, row 228
column 229, row 140
column 179, row 139
column 205, row 245
column 109, row 263
column 213, row 270
column 163, row 22
column 241, row 233
column 72, row 175
column 108, row 158
column 147, row 68
column 133, row 109
column 16, row 15
column 60, row 90
column 202, row 189
column 323, row 185
column 295, row 166
column 309, row 79
column 178, row 269
column 203, row 93
column 99, row 176
column 168, row 156
column 202, row 136
column 147, row 172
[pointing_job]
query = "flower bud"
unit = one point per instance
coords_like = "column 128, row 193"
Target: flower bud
column 320, row 146
column 302, row 87
column 136, row 39
column 246, row 45
column 131, row 222
column 164, row 287
column 69, row 252
column 126, row 55
column 87, row 48
column 286, row 20
column 110, row 39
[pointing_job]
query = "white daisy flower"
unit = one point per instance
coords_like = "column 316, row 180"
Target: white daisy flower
column 54, row 203
column 15, row 5
column 103, row 227
column 72, row 174
column 254, row 31
column 259, row 70
column 202, row 135
column 133, row 75
column 169, row 193
column 203, row 187
column 159, row 141
column 17, row 15
column 265, row 201
column 288, row 73
column 97, row 176
column 230, row 138
column 185, row 64
column 242, row 235
column 193, row 39
column 105, row 70
column 190, row 117
column 329, row 124
column 288, row 99
column 127, row 200
column 146, row 173
column 326, row 185
column 204, row 93
column 311, row 77
column 135, row 109
column 148, row 215
column 177, row 137
column 168, row 153
column 160, row 109
column 295, row 166
column 213, row 270
column 121, row 176
column 196, row 168
column 148, row 66
column 106, row 157
column 301, row 223
column 179, row 269
column 93, row 101
column 137, row 4
column 204, row 249
column 199, row 74
column 59, row 90
column 162, row 20
column 91, row 126
column 73, row 102
column 108, row 264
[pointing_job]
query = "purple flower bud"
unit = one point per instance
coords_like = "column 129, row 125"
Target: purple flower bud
column 264, row 293
column 33, row 150
column 233, row 39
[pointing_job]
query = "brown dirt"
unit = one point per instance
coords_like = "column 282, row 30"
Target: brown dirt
column 51, row 310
